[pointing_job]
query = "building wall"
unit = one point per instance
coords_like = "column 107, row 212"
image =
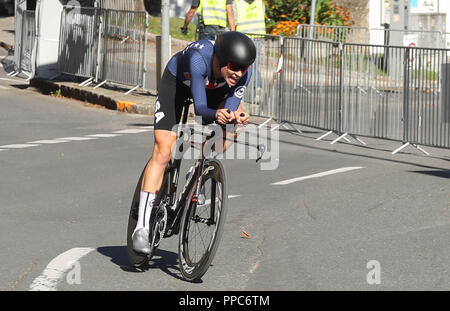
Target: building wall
column 359, row 10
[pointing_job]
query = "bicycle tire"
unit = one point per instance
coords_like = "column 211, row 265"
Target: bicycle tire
column 191, row 269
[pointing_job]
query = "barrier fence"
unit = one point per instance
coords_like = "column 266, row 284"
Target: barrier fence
column 116, row 4
column 104, row 45
column 333, row 33
column 372, row 98
column 310, row 84
column 17, row 36
column 391, row 92
column 78, row 44
column 28, row 42
column 25, row 41
column 262, row 91
column 398, row 93
column 376, row 36
column 124, row 48
column 418, row 38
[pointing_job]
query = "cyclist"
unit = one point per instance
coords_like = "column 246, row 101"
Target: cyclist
column 215, row 75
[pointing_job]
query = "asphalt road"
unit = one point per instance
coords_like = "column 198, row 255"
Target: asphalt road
column 68, row 173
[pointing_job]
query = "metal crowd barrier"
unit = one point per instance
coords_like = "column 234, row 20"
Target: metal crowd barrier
column 127, row 5
column 372, row 92
column 78, row 42
column 397, row 93
column 24, row 50
column 124, row 48
column 333, row 33
column 427, row 102
column 17, row 37
column 28, row 43
column 262, row 90
column 397, row 98
column 418, row 38
column 310, row 83
column 104, row 46
column 363, row 35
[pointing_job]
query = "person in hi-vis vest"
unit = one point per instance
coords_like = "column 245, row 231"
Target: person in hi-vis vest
column 213, row 17
column 249, row 18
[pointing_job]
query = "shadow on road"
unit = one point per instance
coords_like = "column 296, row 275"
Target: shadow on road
column 437, row 173
column 164, row 260
column 377, row 148
column 21, row 86
column 117, row 254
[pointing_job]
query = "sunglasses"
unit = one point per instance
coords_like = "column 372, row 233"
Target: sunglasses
column 235, row 67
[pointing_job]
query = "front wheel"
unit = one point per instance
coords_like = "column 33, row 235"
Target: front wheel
column 202, row 225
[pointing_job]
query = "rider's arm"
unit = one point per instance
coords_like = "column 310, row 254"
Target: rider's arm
column 197, row 70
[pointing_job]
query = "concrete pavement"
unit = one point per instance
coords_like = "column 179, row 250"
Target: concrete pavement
column 69, row 174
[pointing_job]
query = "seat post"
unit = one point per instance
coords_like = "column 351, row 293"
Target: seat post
column 187, row 103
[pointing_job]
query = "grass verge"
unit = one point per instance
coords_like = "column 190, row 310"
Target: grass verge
column 175, row 25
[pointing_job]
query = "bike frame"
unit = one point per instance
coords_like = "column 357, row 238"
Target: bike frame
column 171, row 178
column 170, row 184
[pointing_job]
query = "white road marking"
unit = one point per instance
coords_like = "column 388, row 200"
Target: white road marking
column 75, row 138
column 229, row 197
column 131, row 131
column 19, row 146
column 47, row 142
column 336, row 171
column 70, row 139
column 55, row 270
column 104, row 135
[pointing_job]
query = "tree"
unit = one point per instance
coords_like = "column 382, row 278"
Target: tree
column 283, row 17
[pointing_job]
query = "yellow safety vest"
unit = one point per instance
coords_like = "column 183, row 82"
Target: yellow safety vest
column 250, row 17
column 214, row 12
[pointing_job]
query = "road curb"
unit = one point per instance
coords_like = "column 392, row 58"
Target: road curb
column 48, row 87
column 87, row 95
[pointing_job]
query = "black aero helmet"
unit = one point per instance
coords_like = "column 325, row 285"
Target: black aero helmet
column 235, row 47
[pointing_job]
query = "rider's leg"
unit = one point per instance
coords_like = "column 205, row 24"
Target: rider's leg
column 153, row 175
column 162, row 152
column 168, row 110
column 151, row 182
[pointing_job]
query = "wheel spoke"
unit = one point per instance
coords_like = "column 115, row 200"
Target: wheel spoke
column 204, row 234
column 203, row 224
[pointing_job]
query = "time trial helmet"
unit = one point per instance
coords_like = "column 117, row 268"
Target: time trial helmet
column 234, row 49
